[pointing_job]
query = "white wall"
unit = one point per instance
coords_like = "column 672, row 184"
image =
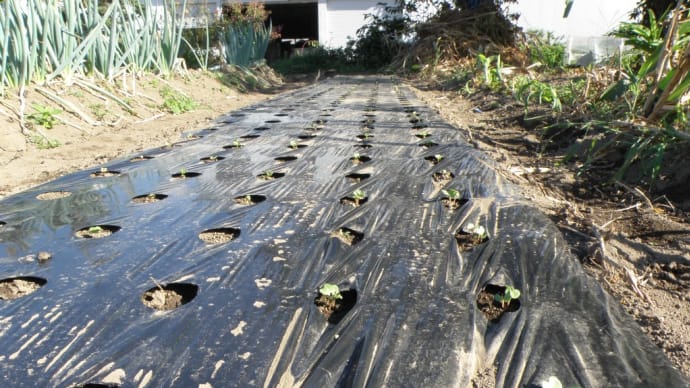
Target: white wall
column 587, row 17
column 343, row 19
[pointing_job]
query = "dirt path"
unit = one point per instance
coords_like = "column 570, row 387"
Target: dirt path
column 25, row 164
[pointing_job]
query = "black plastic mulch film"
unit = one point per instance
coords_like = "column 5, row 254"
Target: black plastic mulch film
column 244, row 254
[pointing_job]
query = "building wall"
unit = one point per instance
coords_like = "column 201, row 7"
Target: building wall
column 338, row 20
column 587, row 18
column 342, row 19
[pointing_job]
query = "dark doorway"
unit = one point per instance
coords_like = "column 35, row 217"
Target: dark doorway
column 298, row 21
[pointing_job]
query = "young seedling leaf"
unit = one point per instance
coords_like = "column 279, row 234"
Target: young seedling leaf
column 331, row 291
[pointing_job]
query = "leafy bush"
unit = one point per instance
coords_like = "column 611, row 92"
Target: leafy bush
column 318, row 58
column 176, row 102
column 380, row 40
column 546, row 48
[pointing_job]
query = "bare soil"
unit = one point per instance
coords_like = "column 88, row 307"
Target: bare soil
column 16, row 288
column 25, row 163
column 162, row 299
column 636, row 245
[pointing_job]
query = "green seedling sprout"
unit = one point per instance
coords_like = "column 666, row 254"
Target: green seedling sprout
column 552, row 382
column 268, row 174
column 293, row 145
column 509, row 294
column 104, row 169
column 478, row 232
column 95, row 229
column 367, row 135
column 453, row 197
column 248, row 198
column 346, row 234
column 356, row 156
column 358, row 195
column 237, row 143
column 331, row 291
column 424, row 134
column 183, row 172
column 438, row 157
column 151, row 196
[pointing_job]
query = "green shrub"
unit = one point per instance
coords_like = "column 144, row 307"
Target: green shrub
column 318, row 58
column 176, row 102
column 546, row 48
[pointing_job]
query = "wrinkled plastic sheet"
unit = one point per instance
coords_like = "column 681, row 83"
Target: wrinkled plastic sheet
column 253, row 321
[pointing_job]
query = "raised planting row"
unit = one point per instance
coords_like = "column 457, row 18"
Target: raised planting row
column 341, row 234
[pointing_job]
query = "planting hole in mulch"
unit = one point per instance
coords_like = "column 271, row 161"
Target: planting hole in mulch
column 185, row 175
column 104, row 172
column 334, row 310
column 250, row 199
column 363, row 145
column 442, row 177
column 149, row 198
column 169, row 296
column 295, row 146
column 283, row 159
column 493, row 310
column 219, row 235
column 467, row 241
column 370, row 115
column 419, row 126
column 96, row 231
column 306, row 136
column 183, row 142
column 360, row 159
column 249, row 137
column 357, row 177
column 428, row 144
column 348, row 236
column 96, row 385
column 2, row 223
column 234, row 146
column 434, row 159
column 281, row 114
column 51, row 195
column 422, row 135
column 270, row 175
column 368, row 121
column 288, row 109
column 353, row 202
column 13, row 288
column 272, row 121
column 237, row 114
column 365, row 136
column 320, row 121
column 453, row 204
column 211, row 159
column 261, row 128
column 141, row 158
